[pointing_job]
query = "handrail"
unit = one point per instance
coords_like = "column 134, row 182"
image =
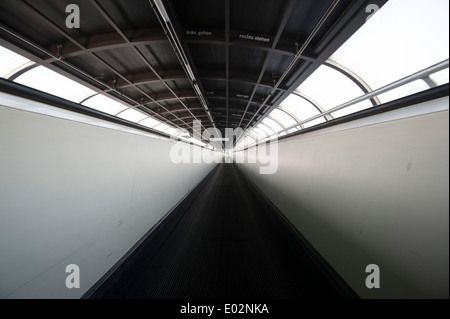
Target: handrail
column 408, row 79
column 389, row 87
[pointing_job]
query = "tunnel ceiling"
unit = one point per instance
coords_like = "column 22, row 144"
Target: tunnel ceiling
column 245, row 56
column 240, row 50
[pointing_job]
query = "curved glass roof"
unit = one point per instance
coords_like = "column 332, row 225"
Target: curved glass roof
column 401, row 39
column 46, row 80
column 23, row 71
column 300, row 107
column 11, row 63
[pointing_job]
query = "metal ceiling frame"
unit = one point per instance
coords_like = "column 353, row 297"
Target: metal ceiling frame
column 49, row 99
column 132, row 103
column 286, row 51
column 167, row 25
column 59, row 58
column 149, row 78
column 227, row 55
column 352, row 19
column 297, row 56
column 215, row 75
column 286, row 14
column 99, row 43
column 288, row 113
column 419, row 75
column 111, row 40
column 141, row 56
column 178, row 115
column 353, row 77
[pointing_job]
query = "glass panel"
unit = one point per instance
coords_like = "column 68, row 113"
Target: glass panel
column 266, row 130
column 255, row 134
column 105, row 104
column 48, row 81
column 172, row 131
column 149, row 122
column 351, row 109
column 440, row 77
column 260, row 132
column 404, row 90
column 247, row 141
column 403, row 37
column 329, row 88
column 132, row 115
column 161, row 127
column 11, row 62
column 320, row 120
column 272, row 124
column 251, row 142
column 283, row 117
column 298, row 106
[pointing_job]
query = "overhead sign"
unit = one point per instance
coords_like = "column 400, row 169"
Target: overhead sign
column 242, row 96
column 251, row 37
column 199, row 33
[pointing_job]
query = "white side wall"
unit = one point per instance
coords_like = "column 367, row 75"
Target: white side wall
column 373, row 191
column 75, row 193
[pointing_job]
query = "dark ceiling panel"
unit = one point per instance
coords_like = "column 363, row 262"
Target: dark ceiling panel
column 136, row 14
column 153, row 88
column 209, row 57
column 200, row 13
column 251, row 48
column 123, row 60
column 256, row 16
column 180, row 85
column 161, row 55
column 302, row 22
column 238, row 50
column 43, row 34
column 131, row 92
column 120, row 48
column 90, row 20
column 277, row 64
column 97, row 70
column 246, row 60
column 212, row 86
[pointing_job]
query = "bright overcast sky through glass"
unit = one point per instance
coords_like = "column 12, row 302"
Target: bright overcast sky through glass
column 401, row 38
column 46, row 80
column 11, row 62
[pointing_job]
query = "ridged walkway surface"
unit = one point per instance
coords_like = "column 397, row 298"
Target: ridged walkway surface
column 222, row 242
